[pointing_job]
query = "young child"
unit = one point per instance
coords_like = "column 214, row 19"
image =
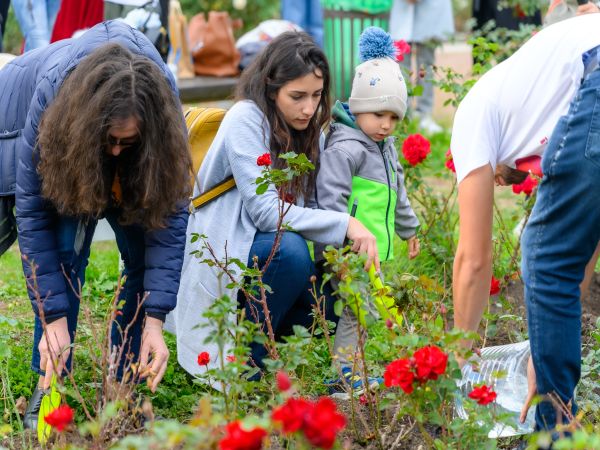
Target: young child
column 359, row 166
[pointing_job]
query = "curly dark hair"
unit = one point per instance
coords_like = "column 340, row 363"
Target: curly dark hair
column 108, row 87
column 289, row 56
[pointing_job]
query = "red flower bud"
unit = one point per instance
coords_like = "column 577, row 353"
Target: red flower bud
column 264, row 159
column 283, row 381
column 494, row 286
column 415, row 149
column 60, row 417
column 483, row 394
column 203, row 358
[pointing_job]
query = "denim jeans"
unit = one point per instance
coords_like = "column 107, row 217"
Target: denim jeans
column 74, row 255
column 36, row 19
column 558, row 241
column 288, row 276
column 4, row 4
column 307, row 14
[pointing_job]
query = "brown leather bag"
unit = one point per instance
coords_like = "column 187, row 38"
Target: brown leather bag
column 213, row 45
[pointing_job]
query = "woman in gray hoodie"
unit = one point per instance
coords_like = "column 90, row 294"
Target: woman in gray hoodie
column 283, row 104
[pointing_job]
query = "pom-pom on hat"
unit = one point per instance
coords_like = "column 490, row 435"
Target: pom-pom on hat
column 378, row 83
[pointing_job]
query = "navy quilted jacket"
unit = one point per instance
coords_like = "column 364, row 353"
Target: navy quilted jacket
column 27, row 85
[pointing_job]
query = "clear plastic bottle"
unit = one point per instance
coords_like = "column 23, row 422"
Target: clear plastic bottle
column 505, row 368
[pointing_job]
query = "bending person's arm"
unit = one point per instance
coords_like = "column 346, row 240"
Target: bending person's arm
column 473, row 260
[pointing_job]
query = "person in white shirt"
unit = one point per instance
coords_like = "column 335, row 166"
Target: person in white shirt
column 543, row 100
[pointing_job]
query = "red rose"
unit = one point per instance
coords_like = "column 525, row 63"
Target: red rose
column 430, row 362
column 527, row 186
column 231, row 358
column 203, row 359
column 264, row 159
column 450, row 161
column 283, row 381
column 292, row 414
column 399, row 373
column 494, row 286
column 60, row 417
column 415, row 149
column 239, row 439
column 402, row 48
column 483, row 395
column 363, row 400
column 323, row 423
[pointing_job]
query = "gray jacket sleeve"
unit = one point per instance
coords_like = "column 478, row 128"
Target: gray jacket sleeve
column 406, row 219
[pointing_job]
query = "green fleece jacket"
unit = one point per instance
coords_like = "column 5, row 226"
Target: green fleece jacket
column 356, row 169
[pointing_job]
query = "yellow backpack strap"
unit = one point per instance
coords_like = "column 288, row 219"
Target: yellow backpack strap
column 213, row 193
column 202, row 124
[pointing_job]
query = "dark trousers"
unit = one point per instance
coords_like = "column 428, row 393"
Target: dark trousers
column 290, row 302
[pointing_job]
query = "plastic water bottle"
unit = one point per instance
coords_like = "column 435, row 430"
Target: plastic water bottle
column 505, row 369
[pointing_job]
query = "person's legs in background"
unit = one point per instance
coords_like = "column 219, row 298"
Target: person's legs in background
column 425, row 56
column 315, row 21
column 307, row 14
column 4, row 5
column 558, row 241
column 36, row 19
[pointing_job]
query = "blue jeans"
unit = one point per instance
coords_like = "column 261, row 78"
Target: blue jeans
column 558, row 241
column 74, row 256
column 36, row 19
column 288, row 275
column 307, row 14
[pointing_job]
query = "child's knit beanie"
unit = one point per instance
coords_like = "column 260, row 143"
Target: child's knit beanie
column 378, row 83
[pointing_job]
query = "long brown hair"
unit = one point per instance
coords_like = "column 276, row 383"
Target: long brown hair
column 289, row 56
column 106, row 88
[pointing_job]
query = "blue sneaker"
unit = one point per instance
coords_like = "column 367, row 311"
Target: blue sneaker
column 353, row 385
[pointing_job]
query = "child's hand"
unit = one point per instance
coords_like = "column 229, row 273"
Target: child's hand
column 413, row 247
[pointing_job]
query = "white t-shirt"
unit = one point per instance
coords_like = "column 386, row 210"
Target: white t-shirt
column 511, row 111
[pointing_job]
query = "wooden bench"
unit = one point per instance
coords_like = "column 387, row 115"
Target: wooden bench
column 202, row 88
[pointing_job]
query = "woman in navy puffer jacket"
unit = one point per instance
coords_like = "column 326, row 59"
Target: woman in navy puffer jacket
column 93, row 128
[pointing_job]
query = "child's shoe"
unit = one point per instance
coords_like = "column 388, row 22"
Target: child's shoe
column 353, row 386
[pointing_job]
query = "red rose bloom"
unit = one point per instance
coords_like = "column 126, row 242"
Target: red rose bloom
column 283, row 381
column 483, row 395
column 399, row 373
column 450, row 161
column 494, row 286
column 415, row 149
column 239, row 439
column 264, row 159
column 402, row 48
column 526, row 187
column 323, row 423
column 60, row 417
column 292, row 414
column 430, row 362
column 203, row 358
column 231, row 358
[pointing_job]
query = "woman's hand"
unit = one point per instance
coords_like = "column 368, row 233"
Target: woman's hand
column 154, row 354
column 531, row 390
column 363, row 241
column 54, row 347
